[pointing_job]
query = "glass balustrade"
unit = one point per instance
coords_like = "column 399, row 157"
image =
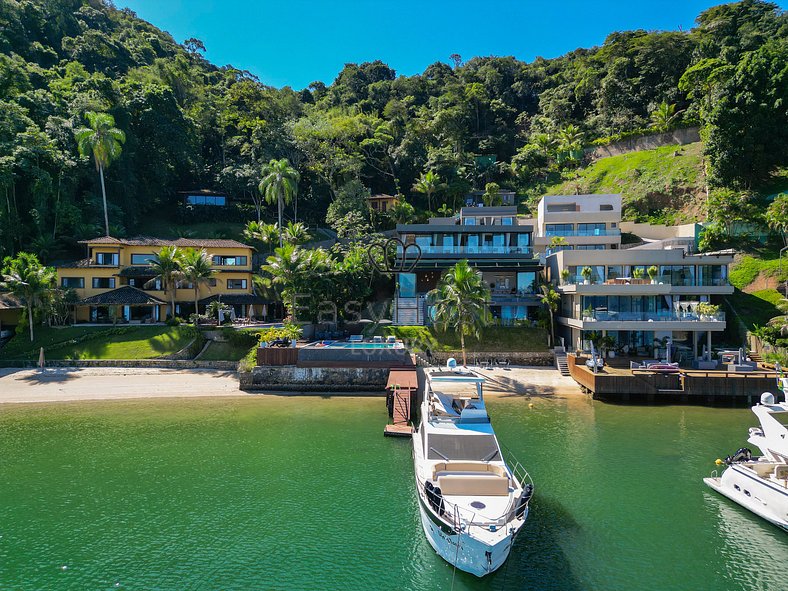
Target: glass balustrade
column 462, row 250
column 613, row 316
column 591, row 232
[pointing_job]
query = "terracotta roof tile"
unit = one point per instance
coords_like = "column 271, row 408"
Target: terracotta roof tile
column 122, row 296
column 180, row 242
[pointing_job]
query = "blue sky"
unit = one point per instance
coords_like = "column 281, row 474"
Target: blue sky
column 294, row 42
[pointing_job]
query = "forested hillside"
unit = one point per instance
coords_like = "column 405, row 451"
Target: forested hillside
column 191, row 124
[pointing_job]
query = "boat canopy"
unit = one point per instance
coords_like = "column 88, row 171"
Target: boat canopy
column 478, row 448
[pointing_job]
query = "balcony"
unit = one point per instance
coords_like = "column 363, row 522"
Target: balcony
column 595, row 232
column 613, row 316
column 470, row 250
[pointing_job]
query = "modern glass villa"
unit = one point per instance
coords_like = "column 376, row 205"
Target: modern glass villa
column 605, row 286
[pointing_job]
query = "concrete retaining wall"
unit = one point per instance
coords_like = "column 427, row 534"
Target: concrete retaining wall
column 315, row 379
column 514, row 357
column 688, row 135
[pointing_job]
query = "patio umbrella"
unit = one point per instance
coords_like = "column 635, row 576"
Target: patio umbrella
column 365, row 321
column 250, row 312
column 385, row 321
column 232, row 314
column 668, row 350
column 265, row 311
column 221, row 316
column 41, row 358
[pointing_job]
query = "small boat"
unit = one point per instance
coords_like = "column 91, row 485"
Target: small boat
column 760, row 484
column 472, row 503
column 664, row 367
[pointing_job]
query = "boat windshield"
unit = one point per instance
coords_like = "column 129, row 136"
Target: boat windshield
column 781, row 417
column 479, row 448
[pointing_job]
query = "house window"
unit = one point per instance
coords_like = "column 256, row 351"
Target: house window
column 236, row 284
column 590, row 247
column 229, row 261
column 212, row 282
column 591, row 229
column 605, row 207
column 215, row 200
column 142, row 259
column 103, row 283
column 107, row 258
column 72, row 282
column 559, row 229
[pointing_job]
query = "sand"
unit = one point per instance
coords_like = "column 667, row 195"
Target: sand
column 68, row 384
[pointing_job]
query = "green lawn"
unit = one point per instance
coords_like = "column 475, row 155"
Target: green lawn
column 224, row 351
column 495, row 339
column 80, row 342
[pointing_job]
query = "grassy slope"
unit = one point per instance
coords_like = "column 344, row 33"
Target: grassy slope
column 494, row 339
column 224, row 351
column 666, row 178
column 81, row 342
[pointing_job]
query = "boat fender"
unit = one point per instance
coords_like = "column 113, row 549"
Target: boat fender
column 528, row 492
column 743, row 454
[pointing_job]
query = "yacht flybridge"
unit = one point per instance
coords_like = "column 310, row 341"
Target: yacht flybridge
column 760, row 484
column 472, row 504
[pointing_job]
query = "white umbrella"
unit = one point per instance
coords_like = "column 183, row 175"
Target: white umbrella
column 221, row 316
column 265, row 311
column 41, row 362
column 251, row 311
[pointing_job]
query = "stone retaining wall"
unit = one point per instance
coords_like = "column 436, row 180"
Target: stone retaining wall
column 514, row 357
column 686, row 135
column 145, row 363
column 315, row 379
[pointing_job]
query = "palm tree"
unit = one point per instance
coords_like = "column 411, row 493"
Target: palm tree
column 781, row 322
column 491, row 196
column 664, row 115
column 167, row 268
column 570, row 142
column 401, row 212
column 267, row 234
column 296, row 233
column 427, row 184
column 461, row 302
column 551, row 299
column 28, row 280
column 102, row 140
column 279, row 185
column 196, row 268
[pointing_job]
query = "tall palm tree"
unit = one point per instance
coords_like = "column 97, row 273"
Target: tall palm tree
column 166, row 266
column 551, row 299
column 427, row 184
column 491, row 196
column 570, row 143
column 268, row 234
column 102, row 140
column 196, row 268
column 461, row 302
column 279, row 185
column 28, row 280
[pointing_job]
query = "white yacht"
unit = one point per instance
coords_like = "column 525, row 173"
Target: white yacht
column 472, row 504
column 760, row 484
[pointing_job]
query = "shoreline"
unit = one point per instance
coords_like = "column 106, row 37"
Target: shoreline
column 55, row 385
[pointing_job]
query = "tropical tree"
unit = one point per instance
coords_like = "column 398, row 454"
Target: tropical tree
column 427, row 184
column 570, row 143
column 267, row 234
column 279, row 185
column 197, row 269
column 166, row 266
column 102, row 140
column 781, row 322
column 28, row 280
column 664, row 116
column 551, row 300
column 295, row 233
column 460, row 301
column 401, row 212
column 491, row 196
column 777, row 215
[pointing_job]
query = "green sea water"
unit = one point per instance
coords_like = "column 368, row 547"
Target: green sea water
column 305, row 493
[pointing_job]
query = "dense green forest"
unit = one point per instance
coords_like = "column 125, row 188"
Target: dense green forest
column 189, row 124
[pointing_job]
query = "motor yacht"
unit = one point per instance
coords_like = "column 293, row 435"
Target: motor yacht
column 760, row 483
column 472, row 502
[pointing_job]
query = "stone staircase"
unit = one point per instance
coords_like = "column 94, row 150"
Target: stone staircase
column 560, row 361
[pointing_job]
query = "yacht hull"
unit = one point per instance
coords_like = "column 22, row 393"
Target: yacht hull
column 766, row 499
column 472, row 555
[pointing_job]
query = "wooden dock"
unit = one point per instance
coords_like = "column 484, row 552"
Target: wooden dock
column 401, row 386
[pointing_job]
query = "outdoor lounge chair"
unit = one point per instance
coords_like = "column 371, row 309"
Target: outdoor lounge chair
column 377, row 339
column 356, row 338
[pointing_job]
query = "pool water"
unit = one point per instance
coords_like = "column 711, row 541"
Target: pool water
column 305, row 493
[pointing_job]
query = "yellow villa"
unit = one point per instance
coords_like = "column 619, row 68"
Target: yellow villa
column 116, row 279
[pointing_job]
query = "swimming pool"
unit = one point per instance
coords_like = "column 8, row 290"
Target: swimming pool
column 345, row 345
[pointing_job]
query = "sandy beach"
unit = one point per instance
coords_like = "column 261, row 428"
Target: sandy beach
column 68, row 384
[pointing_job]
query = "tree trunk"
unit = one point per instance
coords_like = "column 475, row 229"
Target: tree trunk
column 196, row 306
column 462, row 346
column 552, row 329
column 104, row 199
column 281, row 205
column 57, row 204
column 30, row 320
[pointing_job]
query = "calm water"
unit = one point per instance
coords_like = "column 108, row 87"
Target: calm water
column 306, row 493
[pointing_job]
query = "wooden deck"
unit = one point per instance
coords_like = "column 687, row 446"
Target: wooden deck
column 402, row 384
column 687, row 386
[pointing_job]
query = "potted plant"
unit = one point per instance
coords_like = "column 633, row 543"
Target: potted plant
column 564, row 276
column 707, row 311
column 637, row 273
column 653, row 271
column 586, row 273
column 588, row 314
column 607, row 344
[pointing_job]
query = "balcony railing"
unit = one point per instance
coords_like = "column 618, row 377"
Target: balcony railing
column 613, row 316
column 595, row 232
column 713, row 282
column 463, row 250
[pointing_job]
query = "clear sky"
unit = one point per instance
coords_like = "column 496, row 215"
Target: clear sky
column 294, row 42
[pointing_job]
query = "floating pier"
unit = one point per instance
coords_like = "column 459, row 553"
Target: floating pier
column 401, row 386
